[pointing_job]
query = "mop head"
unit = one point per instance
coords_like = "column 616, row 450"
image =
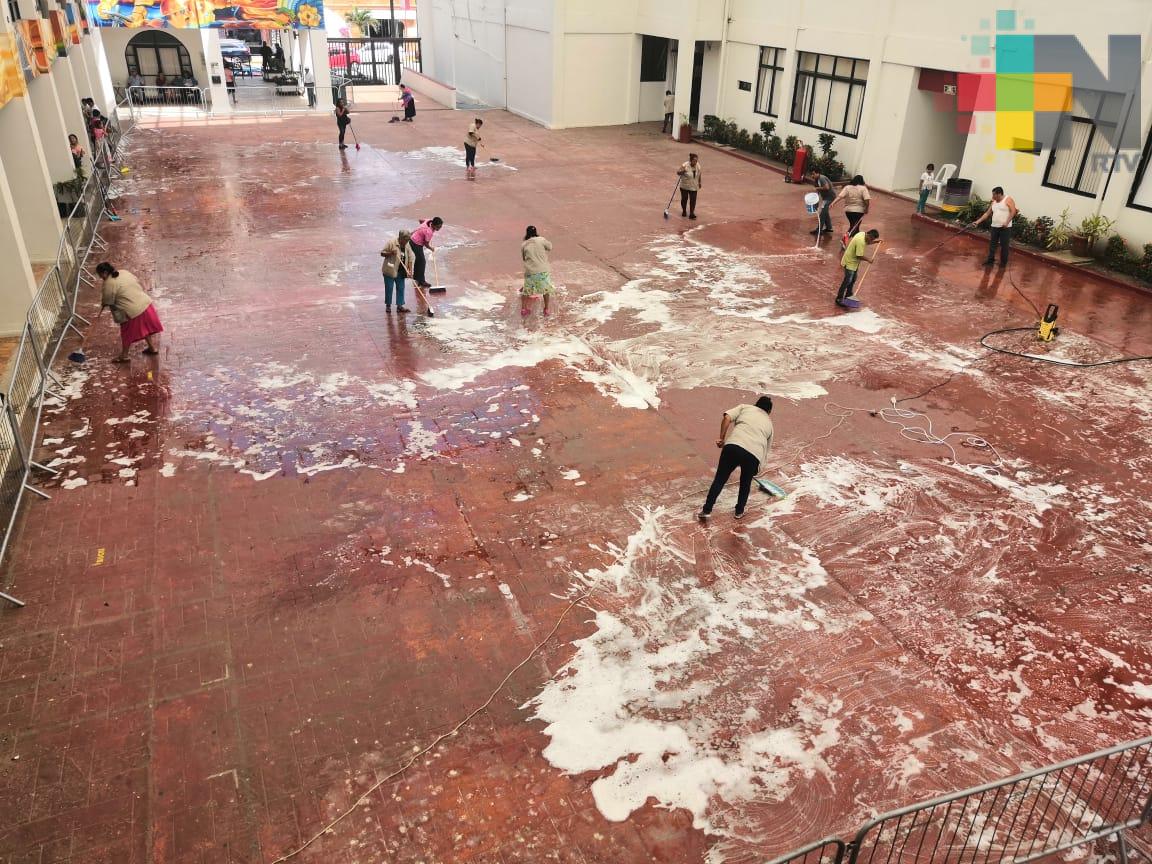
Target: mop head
column 125, row 170
column 77, row 356
column 394, row 119
column 771, row 488
column 493, row 158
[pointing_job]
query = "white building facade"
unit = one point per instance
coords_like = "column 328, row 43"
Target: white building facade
column 880, row 76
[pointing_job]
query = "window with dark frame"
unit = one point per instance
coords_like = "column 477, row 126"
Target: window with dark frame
column 153, row 51
column 14, row 10
column 1084, row 143
column 829, row 92
column 767, row 80
column 654, row 59
column 1138, row 197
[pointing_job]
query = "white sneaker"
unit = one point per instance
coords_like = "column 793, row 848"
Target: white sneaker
column 703, row 517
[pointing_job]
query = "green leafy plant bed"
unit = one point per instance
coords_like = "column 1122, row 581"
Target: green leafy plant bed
column 768, row 144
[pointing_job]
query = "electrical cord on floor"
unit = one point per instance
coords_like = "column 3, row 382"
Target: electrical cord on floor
column 1054, row 360
column 412, row 759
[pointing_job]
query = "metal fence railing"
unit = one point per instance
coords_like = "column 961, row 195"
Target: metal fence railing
column 50, row 316
column 374, row 61
column 1014, row 821
column 169, row 95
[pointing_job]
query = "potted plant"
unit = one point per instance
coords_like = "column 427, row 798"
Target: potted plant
column 68, row 194
column 1060, row 235
column 685, row 136
column 360, row 20
column 1091, row 230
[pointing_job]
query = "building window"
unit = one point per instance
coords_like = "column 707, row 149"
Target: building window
column 771, row 67
column 1140, row 196
column 654, row 59
column 14, row 10
column 829, row 92
column 1085, row 141
column 153, row 52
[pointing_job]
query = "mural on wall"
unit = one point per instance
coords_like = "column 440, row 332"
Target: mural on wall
column 199, row 14
column 35, row 34
column 11, row 75
column 59, row 28
column 73, row 24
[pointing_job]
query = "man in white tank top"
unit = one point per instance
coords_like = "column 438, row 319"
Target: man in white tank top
column 1001, row 211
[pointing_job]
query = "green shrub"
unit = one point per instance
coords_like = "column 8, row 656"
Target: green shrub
column 757, row 145
column 972, row 211
column 774, row 149
column 743, row 140
column 791, row 145
column 768, row 127
column 1041, row 228
column 711, row 121
column 1022, row 230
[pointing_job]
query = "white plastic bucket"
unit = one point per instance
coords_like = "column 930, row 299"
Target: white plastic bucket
column 812, row 201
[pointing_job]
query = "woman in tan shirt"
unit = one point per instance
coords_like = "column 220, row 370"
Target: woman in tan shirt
column 132, row 309
column 537, row 271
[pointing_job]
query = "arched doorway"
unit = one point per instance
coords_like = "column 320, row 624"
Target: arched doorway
column 153, row 52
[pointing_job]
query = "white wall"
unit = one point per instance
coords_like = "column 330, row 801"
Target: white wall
column 930, row 135
column 600, row 71
column 651, row 101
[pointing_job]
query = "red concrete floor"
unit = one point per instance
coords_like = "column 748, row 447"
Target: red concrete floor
column 311, row 538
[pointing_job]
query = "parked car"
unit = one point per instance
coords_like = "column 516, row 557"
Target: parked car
column 235, row 48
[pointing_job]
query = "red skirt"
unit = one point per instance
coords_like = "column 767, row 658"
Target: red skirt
column 147, row 323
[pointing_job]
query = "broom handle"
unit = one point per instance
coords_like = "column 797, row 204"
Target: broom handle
column 436, row 269
column 856, row 288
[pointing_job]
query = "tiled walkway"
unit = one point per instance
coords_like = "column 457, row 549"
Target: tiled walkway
column 312, row 537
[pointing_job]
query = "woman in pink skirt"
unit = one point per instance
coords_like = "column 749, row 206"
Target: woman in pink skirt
column 132, row 309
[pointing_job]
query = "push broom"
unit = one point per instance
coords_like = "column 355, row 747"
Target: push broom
column 670, row 197
column 852, row 302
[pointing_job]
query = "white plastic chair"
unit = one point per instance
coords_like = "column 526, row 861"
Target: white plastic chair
column 945, row 174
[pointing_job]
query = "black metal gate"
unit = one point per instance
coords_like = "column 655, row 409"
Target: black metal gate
column 373, row 61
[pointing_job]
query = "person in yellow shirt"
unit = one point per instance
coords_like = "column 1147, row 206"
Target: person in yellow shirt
column 854, row 253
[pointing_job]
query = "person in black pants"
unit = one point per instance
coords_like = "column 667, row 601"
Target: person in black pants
column 827, row 196
column 342, row 121
column 1002, row 210
column 691, row 179
column 744, row 442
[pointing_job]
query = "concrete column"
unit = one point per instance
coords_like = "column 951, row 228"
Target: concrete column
column 684, row 57
column 50, row 122
column 17, row 286
column 31, row 185
column 214, row 61
column 106, row 98
column 87, row 54
column 314, row 44
column 68, row 92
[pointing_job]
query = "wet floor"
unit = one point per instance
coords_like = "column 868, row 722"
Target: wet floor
column 437, row 579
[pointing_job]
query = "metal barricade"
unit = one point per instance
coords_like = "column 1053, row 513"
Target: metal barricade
column 827, row 851
column 1017, row 820
column 51, row 314
column 168, row 99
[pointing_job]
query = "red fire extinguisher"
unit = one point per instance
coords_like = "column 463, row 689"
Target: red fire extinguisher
column 798, row 163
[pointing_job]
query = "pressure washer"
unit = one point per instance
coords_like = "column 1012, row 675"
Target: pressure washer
column 1047, row 329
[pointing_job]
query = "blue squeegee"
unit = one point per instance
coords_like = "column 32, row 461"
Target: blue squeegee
column 771, row 488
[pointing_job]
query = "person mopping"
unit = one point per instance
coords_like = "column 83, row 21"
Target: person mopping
column 745, row 439
column 537, row 271
column 421, row 242
column 854, row 253
column 471, row 141
column 691, row 179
